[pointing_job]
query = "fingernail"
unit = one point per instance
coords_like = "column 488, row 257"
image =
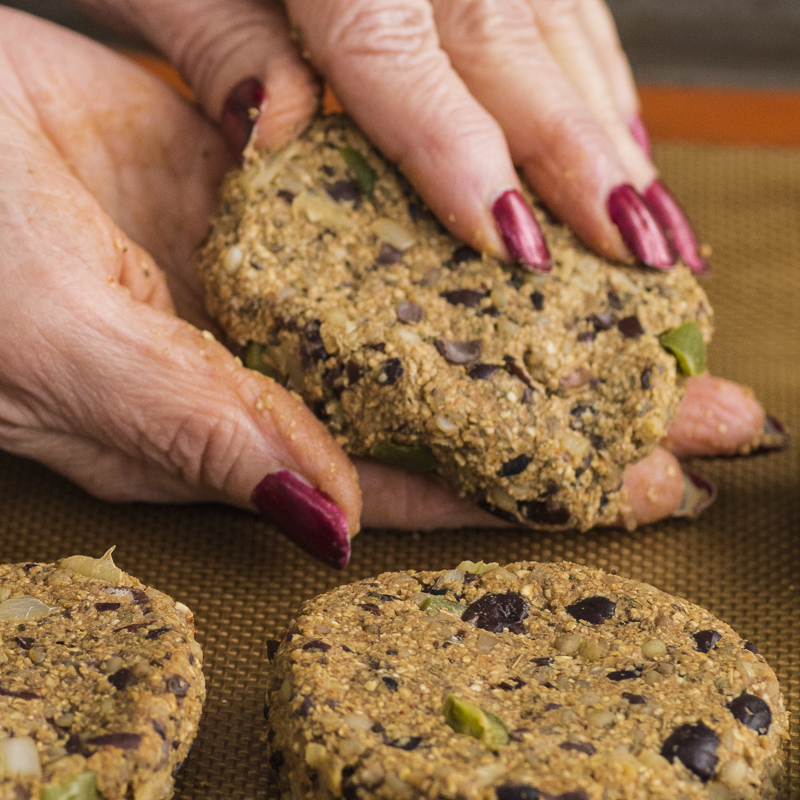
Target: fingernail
column 639, row 133
column 521, row 234
column 675, row 225
column 240, row 113
column 774, row 437
column 305, row 516
column 638, row 227
column 698, row 494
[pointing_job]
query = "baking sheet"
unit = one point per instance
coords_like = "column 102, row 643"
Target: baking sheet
column 740, row 560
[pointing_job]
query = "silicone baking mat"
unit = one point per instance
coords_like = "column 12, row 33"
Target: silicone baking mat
column 740, row 560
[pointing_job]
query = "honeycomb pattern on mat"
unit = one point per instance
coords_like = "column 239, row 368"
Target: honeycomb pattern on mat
column 741, row 560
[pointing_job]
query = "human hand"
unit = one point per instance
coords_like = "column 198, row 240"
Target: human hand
column 456, row 92
column 108, row 182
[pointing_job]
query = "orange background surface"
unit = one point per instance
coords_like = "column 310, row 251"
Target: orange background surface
column 717, row 116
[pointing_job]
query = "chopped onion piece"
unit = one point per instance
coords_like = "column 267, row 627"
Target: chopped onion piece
column 387, row 230
column 20, row 757
column 102, row 568
column 321, row 209
column 24, row 607
column 270, row 167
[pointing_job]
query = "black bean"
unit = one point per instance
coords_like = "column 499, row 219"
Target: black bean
column 390, row 372
column 410, row 312
column 178, row 685
column 624, row 674
column 344, row 190
column 156, row 633
column 752, row 712
column 581, row 747
column 645, row 378
column 575, row 794
column 695, row 746
column 537, row 298
column 517, row 371
column 305, row 706
column 317, row 644
column 630, row 327
column 599, row 443
column 603, row 321
column 634, row 699
column 124, row 741
column 493, row 612
column 379, row 347
column 594, row 610
column 406, row 742
column 490, row 311
column 313, row 348
column 614, row 301
column 516, row 791
column 123, row 679
column 371, row 607
column 459, row 352
column 517, row 627
column 706, row 640
column 354, row 372
column 391, row 683
column 751, row 647
column 25, row 642
column 389, row 598
column 464, row 297
column 286, row 195
column 545, row 661
column 377, row 728
column 388, row 255
column 464, row 253
column 482, row 372
column 545, row 512
column 107, row 606
column 514, row 466
column 516, row 683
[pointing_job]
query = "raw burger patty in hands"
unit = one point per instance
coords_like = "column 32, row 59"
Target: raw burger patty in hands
column 527, row 392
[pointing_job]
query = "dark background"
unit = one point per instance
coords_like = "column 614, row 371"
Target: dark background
column 754, row 43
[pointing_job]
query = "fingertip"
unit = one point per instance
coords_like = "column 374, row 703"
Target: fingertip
column 655, row 486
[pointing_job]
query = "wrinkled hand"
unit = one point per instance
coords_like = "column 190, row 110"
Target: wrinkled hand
column 108, row 180
column 456, row 92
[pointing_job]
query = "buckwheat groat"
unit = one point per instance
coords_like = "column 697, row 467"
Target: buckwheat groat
column 101, row 685
column 528, row 393
column 530, row 681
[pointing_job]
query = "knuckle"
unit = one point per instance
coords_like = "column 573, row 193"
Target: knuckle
column 381, row 29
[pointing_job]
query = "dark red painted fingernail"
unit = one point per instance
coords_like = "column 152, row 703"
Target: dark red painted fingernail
column 775, row 437
column 638, row 227
column 240, row 113
column 639, row 133
column 521, row 234
column 305, row 516
column 675, row 225
column 698, row 494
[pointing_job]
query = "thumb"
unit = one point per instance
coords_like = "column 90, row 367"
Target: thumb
column 237, row 56
column 168, row 414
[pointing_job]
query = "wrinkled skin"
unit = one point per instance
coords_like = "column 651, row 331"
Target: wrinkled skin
column 107, row 184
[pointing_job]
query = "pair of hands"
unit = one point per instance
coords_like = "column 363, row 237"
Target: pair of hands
column 108, row 181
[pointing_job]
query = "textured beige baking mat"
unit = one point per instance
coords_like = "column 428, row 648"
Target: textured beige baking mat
column 741, row 559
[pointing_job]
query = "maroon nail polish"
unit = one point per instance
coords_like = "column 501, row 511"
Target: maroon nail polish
column 639, row 133
column 774, row 437
column 240, row 112
column 521, row 234
column 638, row 227
column 305, row 516
column 698, row 494
column 676, row 227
